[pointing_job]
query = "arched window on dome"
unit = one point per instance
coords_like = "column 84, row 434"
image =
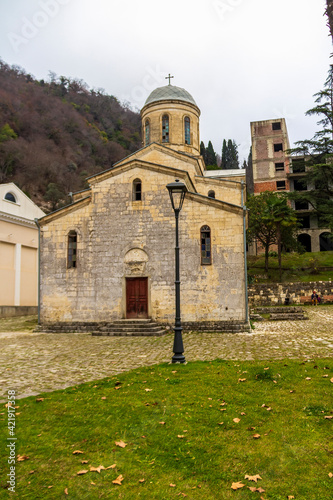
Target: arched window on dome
column 10, row 197
column 211, row 194
column 165, row 128
column 147, row 132
column 205, row 242
column 187, row 126
column 137, row 190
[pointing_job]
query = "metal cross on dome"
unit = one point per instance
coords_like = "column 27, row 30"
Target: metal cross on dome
column 169, row 77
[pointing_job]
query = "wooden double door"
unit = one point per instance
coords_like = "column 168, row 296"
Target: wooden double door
column 136, row 298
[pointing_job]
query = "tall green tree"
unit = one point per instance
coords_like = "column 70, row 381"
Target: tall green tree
column 318, row 157
column 279, row 215
column 210, row 155
column 203, row 151
column 224, row 155
column 271, row 222
column 230, row 158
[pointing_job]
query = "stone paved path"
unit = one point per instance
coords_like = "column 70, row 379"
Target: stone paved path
column 33, row 362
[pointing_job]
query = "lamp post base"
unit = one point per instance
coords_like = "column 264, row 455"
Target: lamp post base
column 178, row 358
column 178, row 347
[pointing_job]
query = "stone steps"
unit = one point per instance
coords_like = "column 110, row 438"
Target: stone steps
column 286, row 313
column 131, row 328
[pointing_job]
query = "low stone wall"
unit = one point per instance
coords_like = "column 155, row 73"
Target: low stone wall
column 11, row 311
column 275, row 293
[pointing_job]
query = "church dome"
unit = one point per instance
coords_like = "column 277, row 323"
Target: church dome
column 170, row 92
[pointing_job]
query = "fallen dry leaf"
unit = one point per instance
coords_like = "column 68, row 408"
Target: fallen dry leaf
column 39, row 400
column 325, row 376
column 97, row 469
column 118, row 480
column 260, row 490
column 77, row 452
column 148, row 390
column 121, row 444
column 243, row 413
column 236, row 420
column 253, row 478
column 180, row 436
column 241, row 379
column 141, row 480
column 220, row 423
column 111, row 466
column 291, row 497
column 66, row 491
column 162, row 423
column 93, row 483
column 331, row 380
column 252, row 488
column 21, row 458
column 172, row 485
column 266, row 368
column 330, row 474
column 269, row 409
column 103, row 397
column 84, row 461
column 237, row 486
column 308, row 378
column 329, row 417
column 256, row 436
column 82, row 472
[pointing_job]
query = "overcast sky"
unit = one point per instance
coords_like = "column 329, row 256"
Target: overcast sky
column 242, row 60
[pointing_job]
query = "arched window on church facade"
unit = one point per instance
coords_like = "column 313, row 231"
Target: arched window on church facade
column 147, row 133
column 187, row 125
column 211, row 194
column 72, row 250
column 165, row 128
column 205, row 239
column 137, row 190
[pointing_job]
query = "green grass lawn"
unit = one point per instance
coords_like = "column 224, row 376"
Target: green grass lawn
column 182, row 439
column 315, row 266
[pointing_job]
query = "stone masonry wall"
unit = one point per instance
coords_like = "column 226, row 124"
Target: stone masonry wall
column 119, row 238
column 275, row 293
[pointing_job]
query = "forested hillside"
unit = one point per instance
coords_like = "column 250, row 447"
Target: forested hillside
column 54, row 134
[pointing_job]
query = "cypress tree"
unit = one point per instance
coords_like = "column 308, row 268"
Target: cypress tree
column 211, row 155
column 224, row 155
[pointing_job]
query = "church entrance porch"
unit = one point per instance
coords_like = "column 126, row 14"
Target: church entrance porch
column 136, row 298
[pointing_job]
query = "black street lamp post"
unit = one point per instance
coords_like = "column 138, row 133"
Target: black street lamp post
column 177, row 191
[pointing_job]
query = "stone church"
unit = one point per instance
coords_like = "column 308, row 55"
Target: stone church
column 110, row 255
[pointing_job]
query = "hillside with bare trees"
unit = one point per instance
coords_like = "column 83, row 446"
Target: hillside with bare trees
column 54, row 134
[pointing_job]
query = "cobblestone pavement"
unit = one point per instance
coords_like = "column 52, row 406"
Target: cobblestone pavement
column 35, row 362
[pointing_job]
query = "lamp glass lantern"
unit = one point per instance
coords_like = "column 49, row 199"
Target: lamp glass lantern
column 177, row 191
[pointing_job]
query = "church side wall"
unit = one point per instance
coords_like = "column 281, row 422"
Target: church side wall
column 119, row 238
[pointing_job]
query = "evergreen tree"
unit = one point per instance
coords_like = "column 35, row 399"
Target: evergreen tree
column 318, row 157
column 203, row 151
column 229, row 155
column 211, row 155
column 224, row 155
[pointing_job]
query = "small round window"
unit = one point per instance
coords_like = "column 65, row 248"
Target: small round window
column 10, row 197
